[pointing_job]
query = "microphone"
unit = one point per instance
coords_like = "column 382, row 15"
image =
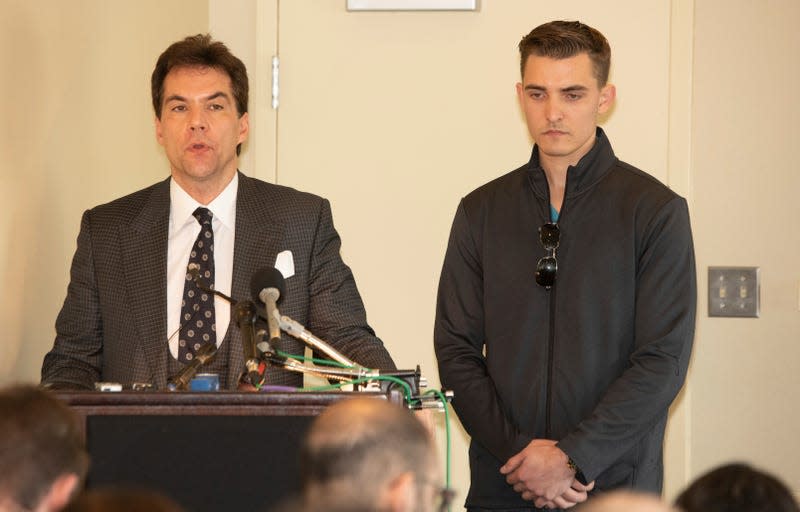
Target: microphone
column 193, row 269
column 246, row 319
column 180, row 381
column 245, row 313
column 297, row 330
column 268, row 285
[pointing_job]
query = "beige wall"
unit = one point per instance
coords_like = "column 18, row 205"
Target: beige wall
column 746, row 372
column 394, row 117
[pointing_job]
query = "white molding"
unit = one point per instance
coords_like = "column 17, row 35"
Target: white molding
column 679, row 178
column 412, row 5
column 680, row 97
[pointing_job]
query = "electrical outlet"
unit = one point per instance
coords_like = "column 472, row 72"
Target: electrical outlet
column 734, row 291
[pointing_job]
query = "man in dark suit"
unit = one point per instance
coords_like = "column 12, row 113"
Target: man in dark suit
column 132, row 314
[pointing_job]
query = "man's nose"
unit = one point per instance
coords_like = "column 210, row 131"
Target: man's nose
column 553, row 110
column 197, row 121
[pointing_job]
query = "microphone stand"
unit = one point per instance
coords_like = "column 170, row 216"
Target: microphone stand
column 253, row 375
column 180, row 381
column 266, row 353
column 353, row 371
column 245, row 313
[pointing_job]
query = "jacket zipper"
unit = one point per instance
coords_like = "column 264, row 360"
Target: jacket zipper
column 551, row 331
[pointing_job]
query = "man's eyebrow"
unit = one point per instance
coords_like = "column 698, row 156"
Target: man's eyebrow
column 218, row 94
column 174, row 97
column 571, row 88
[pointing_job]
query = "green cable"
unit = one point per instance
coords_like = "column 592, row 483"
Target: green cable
column 329, row 362
column 326, row 362
column 406, row 387
column 442, row 398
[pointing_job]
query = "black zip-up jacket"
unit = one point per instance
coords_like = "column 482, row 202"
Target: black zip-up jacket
column 595, row 361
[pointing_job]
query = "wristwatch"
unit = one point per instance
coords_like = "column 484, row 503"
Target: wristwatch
column 574, row 467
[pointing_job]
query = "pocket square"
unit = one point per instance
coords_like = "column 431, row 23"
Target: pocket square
column 285, row 264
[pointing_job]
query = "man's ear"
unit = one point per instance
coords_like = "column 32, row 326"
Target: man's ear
column 244, row 127
column 521, row 95
column 399, row 494
column 607, row 96
column 60, row 493
column 159, row 131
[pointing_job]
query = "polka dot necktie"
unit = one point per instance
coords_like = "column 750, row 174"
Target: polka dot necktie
column 197, row 308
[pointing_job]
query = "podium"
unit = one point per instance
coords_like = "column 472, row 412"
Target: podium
column 207, row 451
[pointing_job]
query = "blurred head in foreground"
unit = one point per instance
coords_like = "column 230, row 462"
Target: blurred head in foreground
column 42, row 457
column 365, row 454
column 737, row 488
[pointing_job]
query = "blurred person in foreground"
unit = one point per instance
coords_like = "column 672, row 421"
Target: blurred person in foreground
column 367, row 455
column 121, row 499
column 625, row 501
column 42, row 457
column 737, row 487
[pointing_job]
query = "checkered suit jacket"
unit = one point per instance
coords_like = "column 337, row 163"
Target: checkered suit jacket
column 113, row 324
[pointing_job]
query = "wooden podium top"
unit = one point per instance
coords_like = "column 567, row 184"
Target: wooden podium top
column 220, row 403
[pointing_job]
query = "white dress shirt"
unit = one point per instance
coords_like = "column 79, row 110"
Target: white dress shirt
column 183, row 230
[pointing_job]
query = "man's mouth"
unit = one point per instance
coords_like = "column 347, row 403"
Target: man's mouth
column 197, row 147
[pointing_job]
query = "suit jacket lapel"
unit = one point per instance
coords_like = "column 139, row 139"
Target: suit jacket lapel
column 257, row 243
column 144, row 253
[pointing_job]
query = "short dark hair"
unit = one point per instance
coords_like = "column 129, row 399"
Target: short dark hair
column 200, row 51
column 737, row 487
column 565, row 39
column 40, row 440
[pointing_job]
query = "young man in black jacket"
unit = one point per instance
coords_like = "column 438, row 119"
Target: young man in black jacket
column 566, row 305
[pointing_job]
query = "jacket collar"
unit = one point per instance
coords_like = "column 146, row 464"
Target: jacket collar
column 590, row 169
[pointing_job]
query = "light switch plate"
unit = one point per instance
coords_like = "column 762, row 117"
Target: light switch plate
column 734, row 292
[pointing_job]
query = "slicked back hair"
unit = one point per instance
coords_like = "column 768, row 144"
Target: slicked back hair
column 197, row 52
column 565, row 39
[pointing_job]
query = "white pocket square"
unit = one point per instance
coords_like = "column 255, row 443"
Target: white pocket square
column 285, row 264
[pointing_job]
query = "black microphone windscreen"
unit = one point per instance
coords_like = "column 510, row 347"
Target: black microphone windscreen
column 267, row 277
